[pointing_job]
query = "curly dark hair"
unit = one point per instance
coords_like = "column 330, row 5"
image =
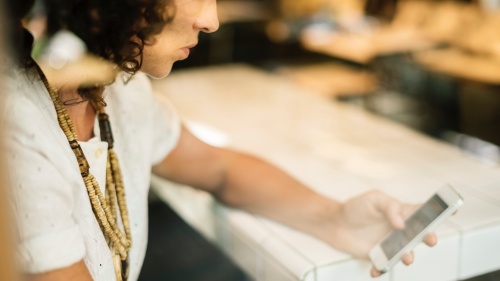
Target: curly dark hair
column 116, row 30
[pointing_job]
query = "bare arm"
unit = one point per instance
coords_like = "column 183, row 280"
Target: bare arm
column 243, row 181
column 75, row 272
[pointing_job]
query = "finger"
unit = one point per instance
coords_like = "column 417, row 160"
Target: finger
column 374, row 272
column 430, row 239
column 393, row 213
column 407, row 258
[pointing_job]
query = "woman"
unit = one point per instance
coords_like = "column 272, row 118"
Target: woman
column 81, row 191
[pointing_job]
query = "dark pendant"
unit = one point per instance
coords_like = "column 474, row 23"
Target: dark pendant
column 105, row 127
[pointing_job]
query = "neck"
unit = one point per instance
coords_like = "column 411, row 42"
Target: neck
column 81, row 112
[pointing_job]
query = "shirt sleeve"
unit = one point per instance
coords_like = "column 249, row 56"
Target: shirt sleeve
column 166, row 118
column 42, row 197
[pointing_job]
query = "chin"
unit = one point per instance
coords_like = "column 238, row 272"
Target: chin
column 158, row 73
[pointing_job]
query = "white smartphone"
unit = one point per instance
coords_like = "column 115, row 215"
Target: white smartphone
column 425, row 219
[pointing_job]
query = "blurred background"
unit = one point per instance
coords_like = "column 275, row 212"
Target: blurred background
column 431, row 65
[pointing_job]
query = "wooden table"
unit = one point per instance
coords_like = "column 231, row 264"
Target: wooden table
column 340, row 151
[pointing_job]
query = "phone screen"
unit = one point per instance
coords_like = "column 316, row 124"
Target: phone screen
column 415, row 224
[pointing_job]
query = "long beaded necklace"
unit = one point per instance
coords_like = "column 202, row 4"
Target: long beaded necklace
column 104, row 208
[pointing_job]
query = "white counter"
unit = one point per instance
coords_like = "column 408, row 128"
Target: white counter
column 340, row 151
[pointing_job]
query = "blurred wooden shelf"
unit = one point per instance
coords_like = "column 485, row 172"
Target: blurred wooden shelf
column 362, row 48
column 460, row 64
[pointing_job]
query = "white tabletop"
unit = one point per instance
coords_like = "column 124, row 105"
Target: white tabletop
column 340, row 151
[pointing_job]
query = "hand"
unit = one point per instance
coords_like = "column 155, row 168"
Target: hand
column 363, row 221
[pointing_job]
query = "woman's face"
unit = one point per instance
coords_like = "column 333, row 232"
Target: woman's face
column 178, row 36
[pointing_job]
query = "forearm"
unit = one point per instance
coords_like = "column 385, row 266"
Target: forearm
column 246, row 182
column 261, row 188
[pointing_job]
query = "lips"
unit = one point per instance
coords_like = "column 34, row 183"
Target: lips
column 186, row 50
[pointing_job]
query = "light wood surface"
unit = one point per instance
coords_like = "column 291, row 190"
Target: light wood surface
column 340, row 151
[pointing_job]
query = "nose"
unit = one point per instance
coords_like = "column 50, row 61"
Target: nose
column 207, row 20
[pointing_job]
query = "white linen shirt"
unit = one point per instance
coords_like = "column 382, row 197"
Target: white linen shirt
column 55, row 222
